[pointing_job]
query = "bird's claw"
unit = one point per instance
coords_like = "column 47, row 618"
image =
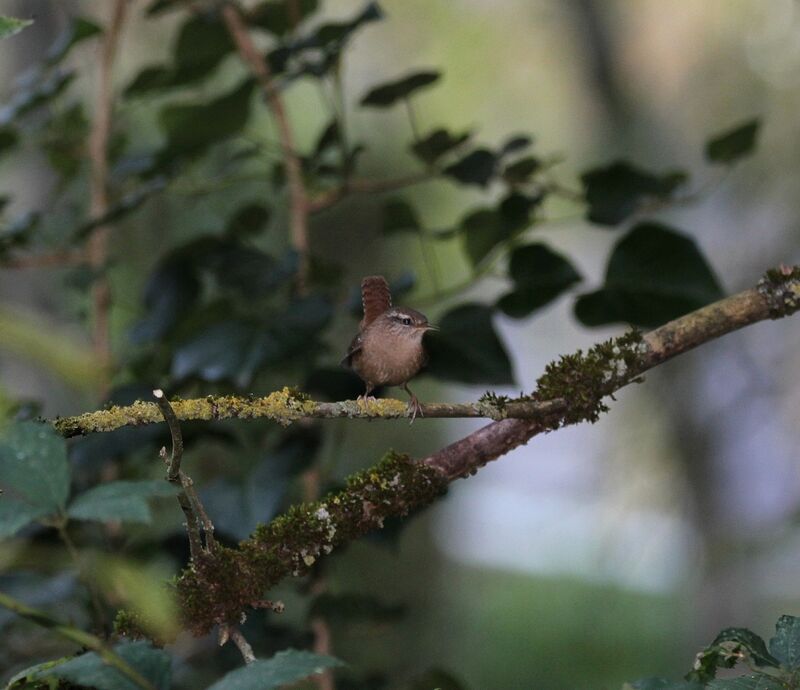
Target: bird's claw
column 414, row 409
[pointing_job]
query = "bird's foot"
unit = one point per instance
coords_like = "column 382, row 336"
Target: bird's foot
column 365, row 401
column 414, row 409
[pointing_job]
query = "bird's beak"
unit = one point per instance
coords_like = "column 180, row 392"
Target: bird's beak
column 431, row 327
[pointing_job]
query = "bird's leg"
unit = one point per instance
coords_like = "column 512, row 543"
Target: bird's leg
column 366, row 398
column 413, row 405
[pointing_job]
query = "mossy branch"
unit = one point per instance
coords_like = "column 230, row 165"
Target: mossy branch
column 220, row 586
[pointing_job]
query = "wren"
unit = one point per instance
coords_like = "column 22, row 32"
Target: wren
column 388, row 349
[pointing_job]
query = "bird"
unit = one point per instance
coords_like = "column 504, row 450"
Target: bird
column 388, row 350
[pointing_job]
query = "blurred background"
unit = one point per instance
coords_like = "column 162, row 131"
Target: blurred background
column 594, row 555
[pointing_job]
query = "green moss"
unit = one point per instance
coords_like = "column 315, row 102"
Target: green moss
column 781, row 287
column 492, row 405
column 584, row 379
column 220, row 586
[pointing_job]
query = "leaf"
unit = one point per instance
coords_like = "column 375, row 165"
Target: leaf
column 399, row 216
column 388, row 94
column 467, row 348
column 655, row 274
column 8, row 138
column 436, row 144
column 540, row 275
column 192, row 128
column 662, row 684
column 521, row 171
column 91, row 670
column 288, row 666
column 750, row 643
column 728, row 147
column 150, row 78
column 276, row 17
column 476, row 168
column 515, row 144
column 484, row 229
column 754, row 682
column 250, row 271
column 14, row 515
column 122, row 501
column 35, row 95
column 333, row 36
column 437, row 678
column 11, row 25
column 785, row 646
column 616, row 191
column 248, row 221
column 33, row 463
column 78, row 30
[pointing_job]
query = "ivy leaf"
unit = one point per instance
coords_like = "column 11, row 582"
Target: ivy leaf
column 616, row 191
column 33, row 464
column 123, row 501
column 655, row 274
column 476, row 168
column 11, row 25
column 399, row 216
column 467, row 348
column 785, row 646
column 730, row 146
column 14, row 515
column 91, row 670
column 437, row 144
column 288, row 666
column 540, row 275
column 388, row 94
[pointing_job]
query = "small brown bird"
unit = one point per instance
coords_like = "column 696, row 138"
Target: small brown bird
column 388, row 349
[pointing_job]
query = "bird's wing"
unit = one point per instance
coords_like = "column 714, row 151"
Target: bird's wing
column 355, row 346
column 375, row 298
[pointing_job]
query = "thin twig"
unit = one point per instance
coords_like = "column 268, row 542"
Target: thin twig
column 77, row 636
column 332, row 197
column 232, row 633
column 94, row 596
column 56, row 259
column 298, row 201
column 99, row 136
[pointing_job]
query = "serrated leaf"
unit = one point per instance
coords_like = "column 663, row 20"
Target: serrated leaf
column 288, row 666
column 439, row 142
column 91, row 670
column 616, row 191
column 477, row 167
column 388, row 94
column 14, row 515
column 467, row 348
column 399, row 216
column 123, row 501
column 785, row 646
column 730, row 146
column 540, row 275
column 655, row 274
column 33, row 464
column 11, row 25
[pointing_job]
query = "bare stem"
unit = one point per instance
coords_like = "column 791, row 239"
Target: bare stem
column 326, row 200
column 53, row 260
column 232, row 633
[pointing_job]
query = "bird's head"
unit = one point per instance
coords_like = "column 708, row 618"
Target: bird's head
column 406, row 323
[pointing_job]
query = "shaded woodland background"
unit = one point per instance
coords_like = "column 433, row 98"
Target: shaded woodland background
column 594, row 555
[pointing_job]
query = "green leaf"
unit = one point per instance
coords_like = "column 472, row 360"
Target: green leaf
column 785, row 646
column 476, row 168
column 388, row 94
column 730, row 146
column 123, row 501
column 276, row 17
column 192, row 128
column 754, row 682
column 540, row 275
column 33, row 464
column 90, row 670
column 515, row 144
column 655, row 274
column 616, row 191
column 521, row 171
column 78, row 30
column 484, row 229
column 11, row 25
column 437, row 678
column 399, row 216
column 35, row 95
column 662, row 684
column 438, row 143
column 288, row 666
column 8, row 138
column 248, row 221
column 750, row 643
column 14, row 515
column 467, row 348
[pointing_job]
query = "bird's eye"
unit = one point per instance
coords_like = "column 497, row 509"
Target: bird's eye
column 406, row 321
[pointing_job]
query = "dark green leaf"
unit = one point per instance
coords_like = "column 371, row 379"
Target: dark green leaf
column 11, row 25
column 399, row 216
column 8, row 138
column 388, row 94
column 191, row 128
column 329, row 138
column 730, row 146
column 437, row 678
column 515, row 144
column 282, row 669
column 785, row 646
column 250, row 271
column 540, row 275
column 90, row 670
column 248, row 221
column 332, row 37
column 123, row 501
column 150, row 78
column 662, row 684
column 277, row 16
column 754, row 682
column 476, row 168
column 14, row 515
column 437, row 143
column 750, row 643
column 655, row 274
column 18, row 232
column 35, row 95
column 353, row 608
column 615, row 192
column 203, row 42
column 520, row 171
column 79, row 29
column 33, row 464
column 467, row 348
column 64, row 140
column 485, row 228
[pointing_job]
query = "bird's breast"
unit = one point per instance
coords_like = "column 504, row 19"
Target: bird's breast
column 388, row 361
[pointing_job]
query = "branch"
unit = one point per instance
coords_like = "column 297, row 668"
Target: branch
column 298, row 202
column 55, row 259
column 397, row 485
column 358, row 186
